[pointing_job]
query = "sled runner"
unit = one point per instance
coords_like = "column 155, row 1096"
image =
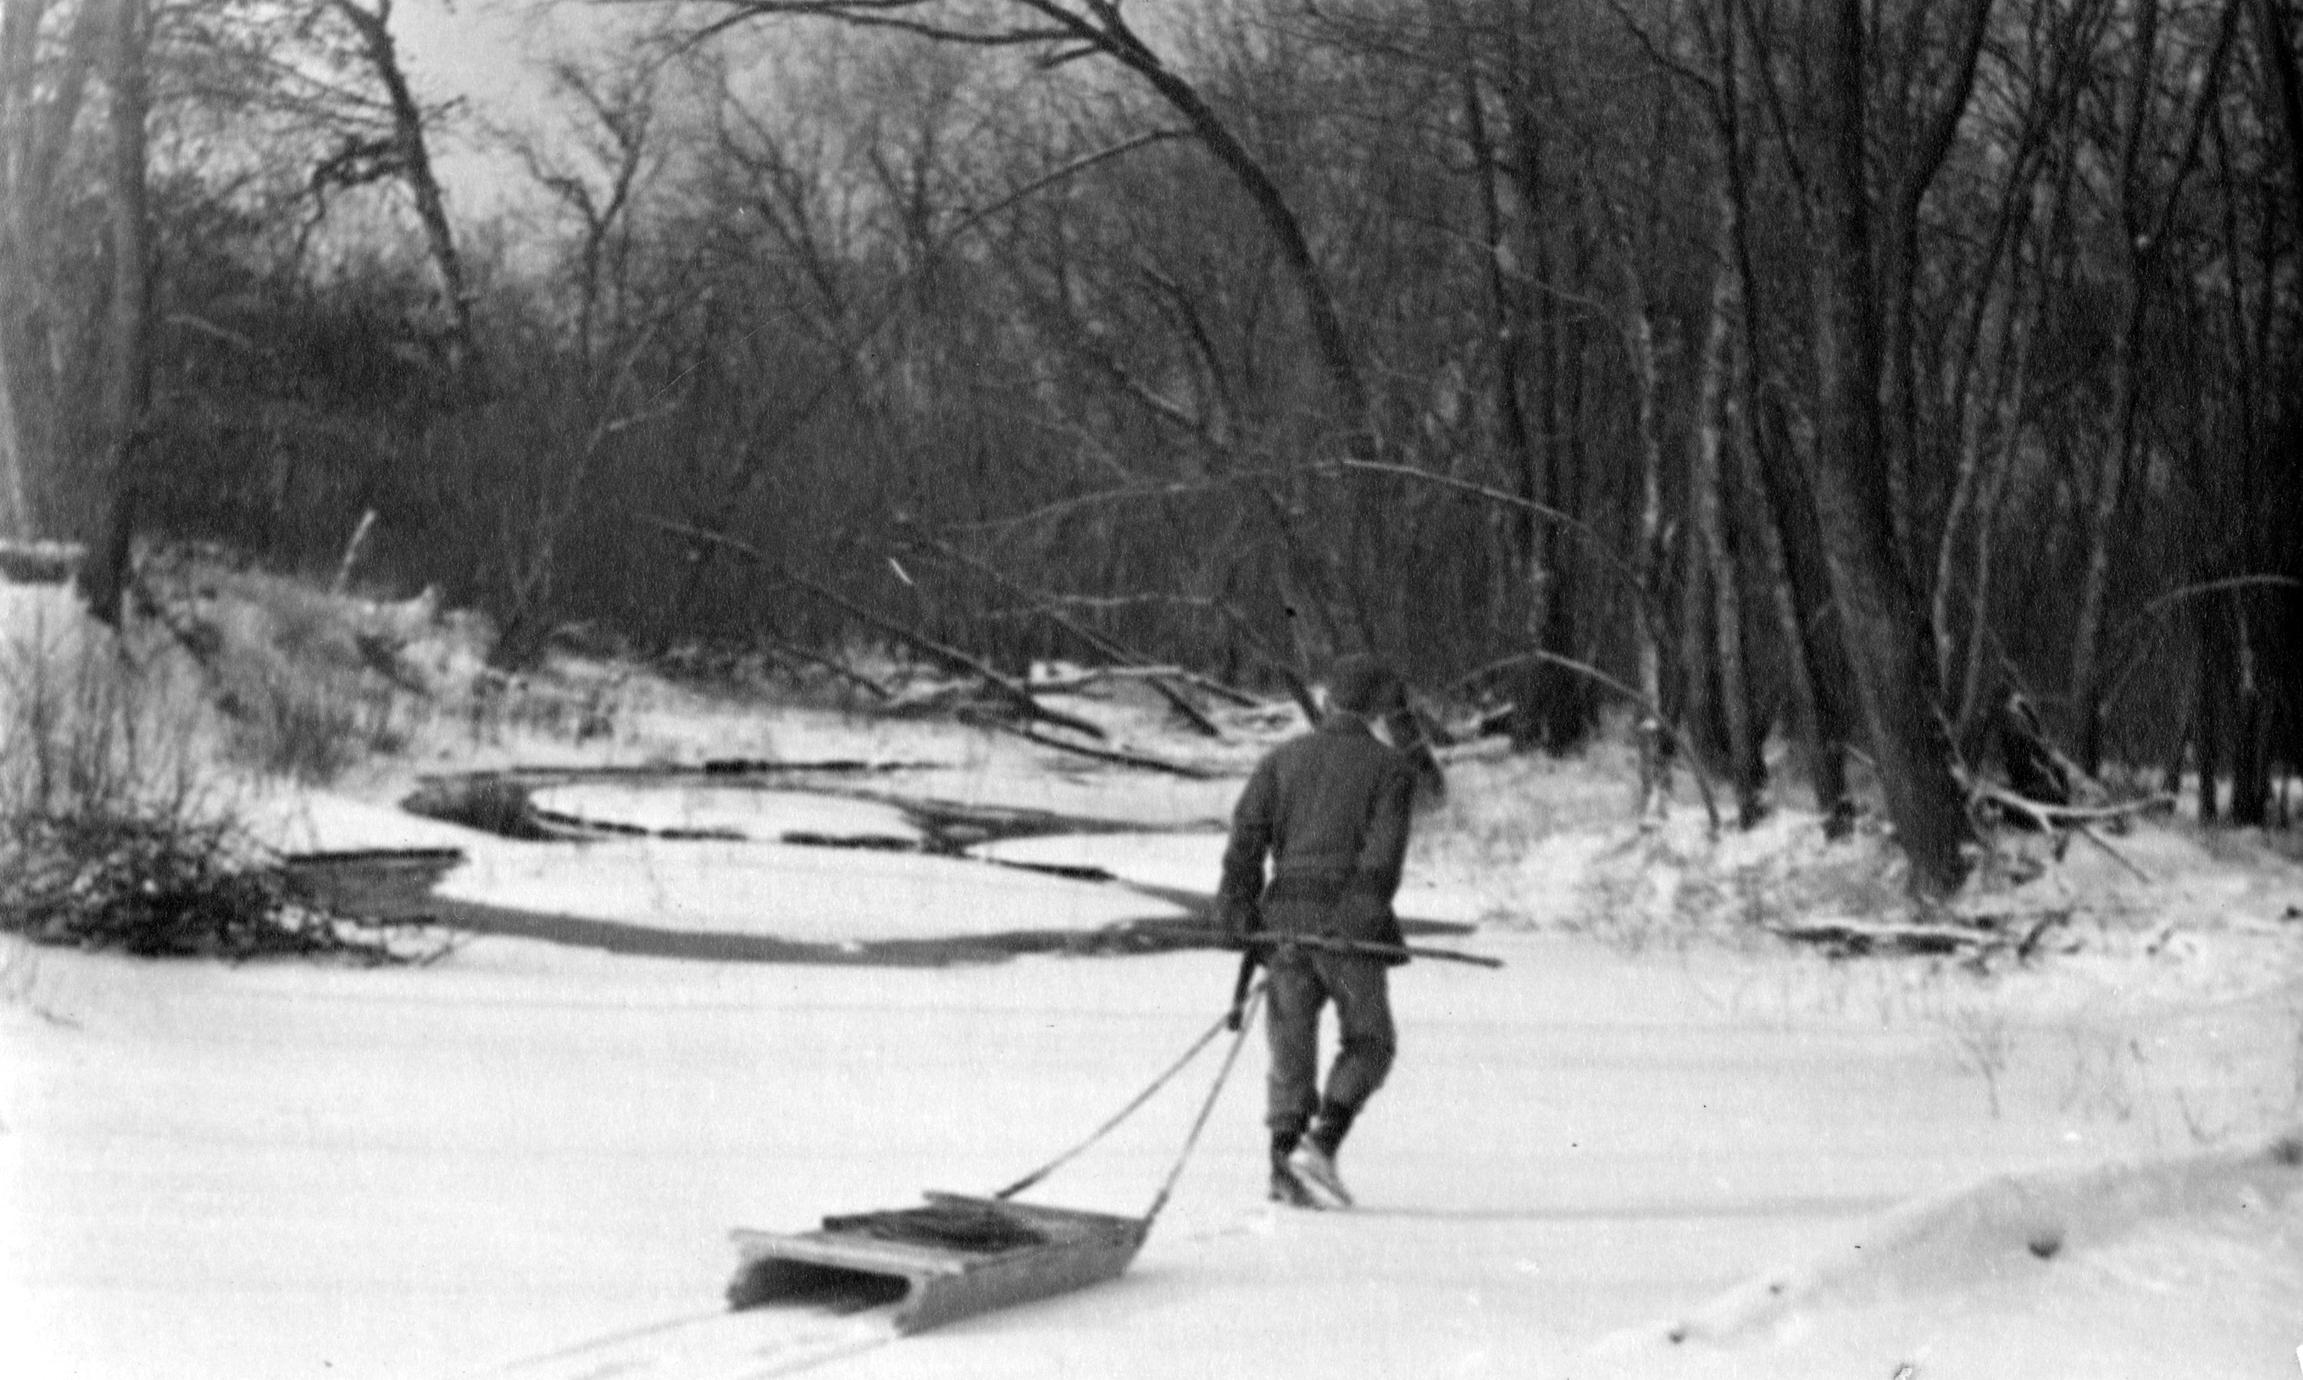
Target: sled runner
column 955, row 1257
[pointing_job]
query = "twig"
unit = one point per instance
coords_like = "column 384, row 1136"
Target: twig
column 2037, row 932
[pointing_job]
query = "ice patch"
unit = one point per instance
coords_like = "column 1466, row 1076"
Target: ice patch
column 811, row 895
column 664, row 807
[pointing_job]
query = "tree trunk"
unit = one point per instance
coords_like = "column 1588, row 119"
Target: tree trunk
column 128, row 391
column 1647, row 555
column 1920, row 153
column 2211, row 663
column 19, row 31
column 1799, row 595
column 1804, row 606
column 2250, row 730
column 1718, row 659
column 16, row 522
column 1889, row 647
column 1507, row 326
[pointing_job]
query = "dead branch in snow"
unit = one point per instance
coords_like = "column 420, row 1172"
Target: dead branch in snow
column 1980, row 937
column 2047, row 813
column 2074, row 817
column 1157, row 677
column 1116, row 756
column 1851, row 937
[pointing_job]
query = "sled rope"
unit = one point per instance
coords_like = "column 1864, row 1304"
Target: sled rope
column 1182, row 1061
column 1246, row 1014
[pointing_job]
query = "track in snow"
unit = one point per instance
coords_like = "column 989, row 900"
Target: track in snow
column 745, row 1345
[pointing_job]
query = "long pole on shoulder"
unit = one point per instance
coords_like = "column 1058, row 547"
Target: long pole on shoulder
column 1331, row 944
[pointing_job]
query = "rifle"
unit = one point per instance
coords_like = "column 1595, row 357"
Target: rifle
column 1248, row 960
column 1369, row 947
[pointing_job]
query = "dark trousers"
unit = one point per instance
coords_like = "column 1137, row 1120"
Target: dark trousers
column 1301, row 983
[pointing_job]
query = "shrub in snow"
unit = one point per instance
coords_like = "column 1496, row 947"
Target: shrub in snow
column 152, row 881
column 106, row 839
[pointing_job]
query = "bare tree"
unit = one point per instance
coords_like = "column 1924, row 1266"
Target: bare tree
column 1061, row 33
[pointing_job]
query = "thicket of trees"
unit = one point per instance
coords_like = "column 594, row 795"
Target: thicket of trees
column 1807, row 367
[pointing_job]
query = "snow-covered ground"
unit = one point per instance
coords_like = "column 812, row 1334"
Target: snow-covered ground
column 1617, row 1156
column 286, row 1171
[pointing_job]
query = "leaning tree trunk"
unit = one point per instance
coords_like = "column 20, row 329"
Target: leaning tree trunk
column 1888, row 644
column 415, row 160
column 1803, row 606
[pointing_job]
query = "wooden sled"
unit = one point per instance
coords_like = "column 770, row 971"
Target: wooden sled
column 954, row 1258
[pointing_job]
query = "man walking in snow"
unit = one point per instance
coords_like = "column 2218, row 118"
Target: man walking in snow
column 1330, row 810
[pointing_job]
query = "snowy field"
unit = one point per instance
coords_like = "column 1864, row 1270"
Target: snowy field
column 1610, row 1158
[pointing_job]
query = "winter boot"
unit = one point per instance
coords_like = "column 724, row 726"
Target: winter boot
column 1289, row 1191
column 1313, row 1160
column 1286, row 1187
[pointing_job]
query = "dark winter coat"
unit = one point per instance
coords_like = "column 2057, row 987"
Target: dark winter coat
column 1330, row 810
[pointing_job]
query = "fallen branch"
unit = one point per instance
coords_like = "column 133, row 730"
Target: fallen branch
column 1117, row 756
column 1855, row 937
column 2075, row 818
column 2045, row 813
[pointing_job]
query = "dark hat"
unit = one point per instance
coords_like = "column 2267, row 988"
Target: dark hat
column 1363, row 684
